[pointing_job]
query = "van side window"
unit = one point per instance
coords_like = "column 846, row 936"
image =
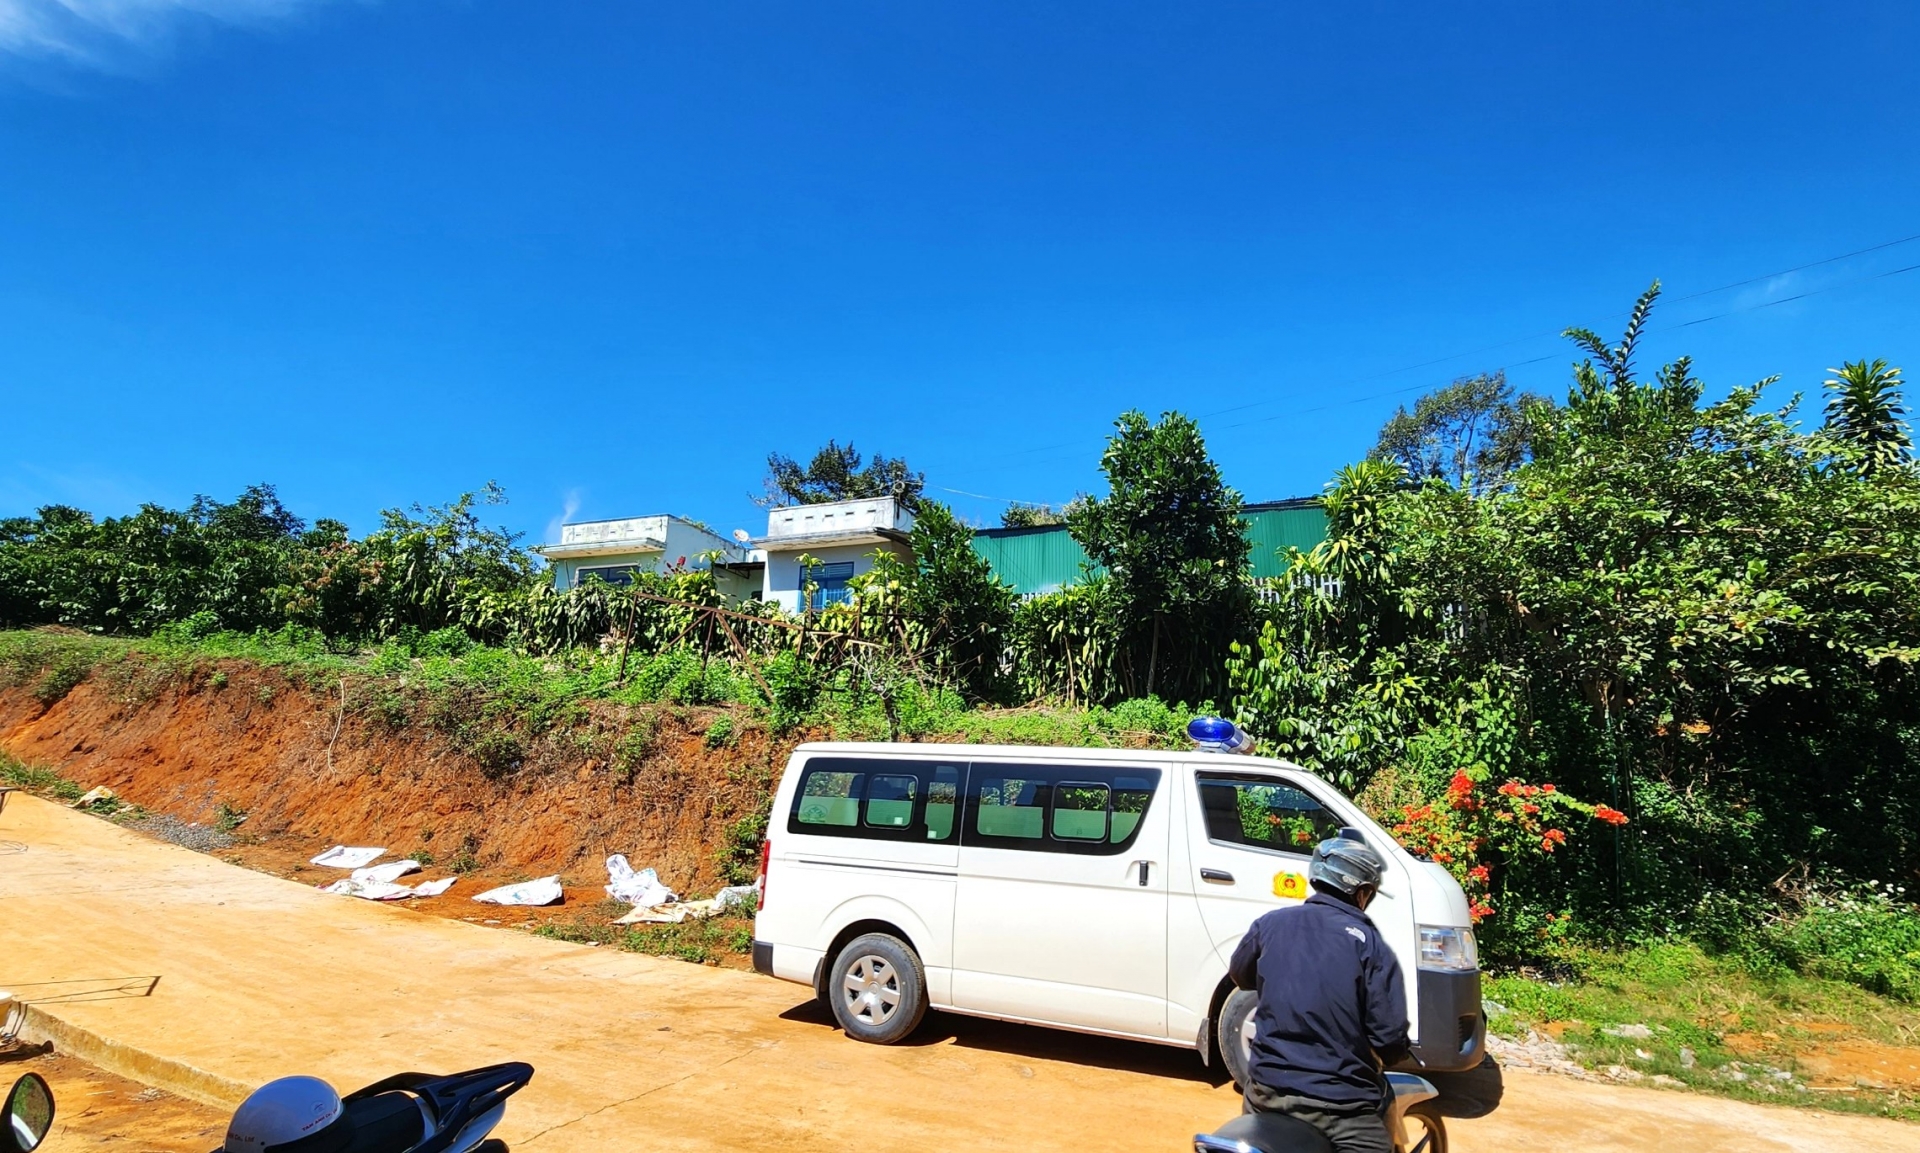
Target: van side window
column 1057, row 809
column 890, row 799
column 1263, row 813
column 873, row 798
column 828, row 798
column 1011, row 807
column 943, row 795
column 1130, row 797
column 1080, row 811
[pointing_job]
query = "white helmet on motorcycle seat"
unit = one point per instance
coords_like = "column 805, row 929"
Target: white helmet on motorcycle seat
column 291, row 1115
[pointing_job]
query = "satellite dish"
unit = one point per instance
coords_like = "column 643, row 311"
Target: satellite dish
column 742, row 535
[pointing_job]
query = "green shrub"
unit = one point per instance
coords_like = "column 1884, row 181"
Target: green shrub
column 1868, row 937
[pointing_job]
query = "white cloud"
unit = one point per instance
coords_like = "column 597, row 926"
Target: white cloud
column 95, row 32
column 572, row 507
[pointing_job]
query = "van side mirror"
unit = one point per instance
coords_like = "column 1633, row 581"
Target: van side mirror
column 29, row 1115
column 1349, row 833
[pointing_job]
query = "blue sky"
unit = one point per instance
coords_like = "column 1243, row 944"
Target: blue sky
column 611, row 254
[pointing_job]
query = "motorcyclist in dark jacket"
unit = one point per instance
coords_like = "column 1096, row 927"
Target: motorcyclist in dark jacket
column 1332, row 1011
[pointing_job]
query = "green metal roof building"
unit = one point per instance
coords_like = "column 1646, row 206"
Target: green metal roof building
column 1042, row 559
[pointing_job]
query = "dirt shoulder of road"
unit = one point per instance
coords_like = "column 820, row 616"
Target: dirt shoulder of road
column 95, row 1109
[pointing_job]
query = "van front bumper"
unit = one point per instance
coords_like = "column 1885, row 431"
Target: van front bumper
column 1453, row 1030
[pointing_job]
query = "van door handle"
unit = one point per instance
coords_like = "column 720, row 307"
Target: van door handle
column 1216, row 876
column 1143, row 872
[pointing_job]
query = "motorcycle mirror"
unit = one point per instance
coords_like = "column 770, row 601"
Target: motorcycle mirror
column 29, row 1115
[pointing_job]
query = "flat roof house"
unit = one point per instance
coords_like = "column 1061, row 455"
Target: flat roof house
column 614, row 550
column 840, row 538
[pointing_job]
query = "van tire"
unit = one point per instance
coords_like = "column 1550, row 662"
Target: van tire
column 878, row 989
column 1234, row 1012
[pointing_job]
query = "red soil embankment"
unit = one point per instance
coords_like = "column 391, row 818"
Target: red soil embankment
column 307, row 771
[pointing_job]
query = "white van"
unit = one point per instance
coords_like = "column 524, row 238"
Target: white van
column 1099, row 890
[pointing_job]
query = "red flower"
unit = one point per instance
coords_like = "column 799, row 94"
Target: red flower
column 1479, row 910
column 1529, row 808
column 1510, row 789
column 1552, row 838
column 1479, row 873
column 1546, row 788
column 1609, row 815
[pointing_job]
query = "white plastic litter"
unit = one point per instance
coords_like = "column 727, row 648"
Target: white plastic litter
column 103, row 793
column 641, row 888
column 389, row 872
column 343, row 857
column 545, row 891
column 735, row 895
column 670, row 914
column 434, row 888
column 371, row 890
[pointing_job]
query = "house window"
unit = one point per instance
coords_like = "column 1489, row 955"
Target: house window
column 613, row 574
column 831, row 580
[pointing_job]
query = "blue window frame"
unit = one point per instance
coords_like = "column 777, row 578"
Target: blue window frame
column 831, row 580
column 614, row 574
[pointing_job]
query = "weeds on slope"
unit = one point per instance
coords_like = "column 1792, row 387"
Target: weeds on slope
column 1723, row 1024
column 705, row 942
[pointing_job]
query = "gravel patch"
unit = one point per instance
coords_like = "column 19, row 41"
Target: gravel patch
column 198, row 837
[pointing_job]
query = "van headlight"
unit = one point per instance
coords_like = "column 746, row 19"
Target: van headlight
column 1448, row 949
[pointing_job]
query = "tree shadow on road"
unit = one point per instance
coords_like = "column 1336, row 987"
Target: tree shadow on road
column 1039, row 1043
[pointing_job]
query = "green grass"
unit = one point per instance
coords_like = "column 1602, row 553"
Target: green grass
column 40, row 782
column 1721, row 1024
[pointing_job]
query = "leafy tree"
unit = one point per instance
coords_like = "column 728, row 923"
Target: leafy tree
column 1170, row 537
column 965, row 609
column 1677, row 608
column 1863, row 408
column 1471, row 433
column 840, row 473
column 1031, row 516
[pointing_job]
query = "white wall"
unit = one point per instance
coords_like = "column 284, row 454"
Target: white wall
column 783, row 576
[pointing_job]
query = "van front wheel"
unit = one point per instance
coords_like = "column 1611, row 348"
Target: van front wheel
column 1232, row 1034
column 879, row 990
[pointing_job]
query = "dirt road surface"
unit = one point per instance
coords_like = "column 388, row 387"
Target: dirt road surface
column 180, row 971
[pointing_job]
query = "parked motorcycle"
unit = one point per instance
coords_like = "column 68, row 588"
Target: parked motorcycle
column 1416, row 1127
column 405, row 1113
column 29, row 1115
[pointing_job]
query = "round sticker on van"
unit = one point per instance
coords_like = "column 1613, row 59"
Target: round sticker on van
column 1292, row 886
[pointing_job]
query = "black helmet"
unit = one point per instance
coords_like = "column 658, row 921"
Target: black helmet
column 1346, row 865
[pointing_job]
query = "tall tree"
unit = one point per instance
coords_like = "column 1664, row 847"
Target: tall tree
column 839, row 472
column 1863, row 407
column 1471, row 433
column 1169, row 535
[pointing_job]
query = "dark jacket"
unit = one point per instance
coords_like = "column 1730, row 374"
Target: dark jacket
column 1331, row 998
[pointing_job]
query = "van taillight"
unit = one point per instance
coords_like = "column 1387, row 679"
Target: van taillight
column 760, row 882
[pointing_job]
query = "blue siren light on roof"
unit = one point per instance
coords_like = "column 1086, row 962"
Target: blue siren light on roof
column 1218, row 735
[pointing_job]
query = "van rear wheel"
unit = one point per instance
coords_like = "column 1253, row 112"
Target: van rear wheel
column 1232, row 1034
column 878, row 989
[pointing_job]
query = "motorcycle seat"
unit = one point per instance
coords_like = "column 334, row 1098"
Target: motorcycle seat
column 1273, row 1133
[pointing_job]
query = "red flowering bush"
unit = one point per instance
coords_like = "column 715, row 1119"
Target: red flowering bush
column 1473, row 830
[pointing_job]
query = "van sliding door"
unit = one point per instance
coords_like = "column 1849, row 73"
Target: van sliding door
column 1061, row 911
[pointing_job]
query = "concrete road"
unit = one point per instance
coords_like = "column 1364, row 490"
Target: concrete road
column 178, row 970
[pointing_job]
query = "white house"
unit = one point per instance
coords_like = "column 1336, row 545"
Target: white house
column 614, row 550
column 840, row 538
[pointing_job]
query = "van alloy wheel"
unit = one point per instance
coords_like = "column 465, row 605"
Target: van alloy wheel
column 878, row 989
column 872, row 989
